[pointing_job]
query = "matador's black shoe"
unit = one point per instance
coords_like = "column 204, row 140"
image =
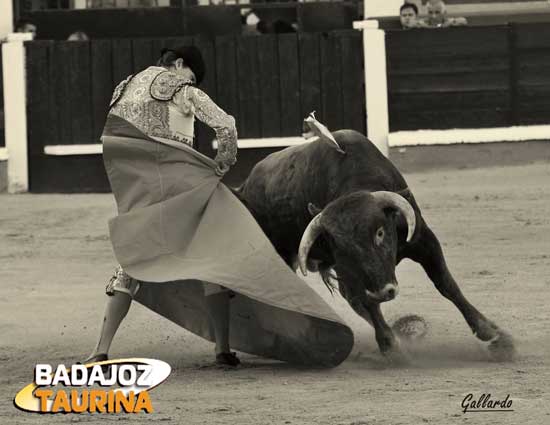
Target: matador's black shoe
column 99, row 358
column 96, row 358
column 227, row 359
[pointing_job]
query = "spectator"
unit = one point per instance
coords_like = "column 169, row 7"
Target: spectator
column 250, row 21
column 78, row 36
column 408, row 14
column 437, row 16
column 26, row 26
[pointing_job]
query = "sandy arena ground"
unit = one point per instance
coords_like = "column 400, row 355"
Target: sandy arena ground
column 55, row 259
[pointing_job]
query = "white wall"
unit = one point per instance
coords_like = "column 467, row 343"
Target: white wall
column 15, row 113
column 6, row 18
column 381, row 8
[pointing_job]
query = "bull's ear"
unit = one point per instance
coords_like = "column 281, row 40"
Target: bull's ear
column 313, row 209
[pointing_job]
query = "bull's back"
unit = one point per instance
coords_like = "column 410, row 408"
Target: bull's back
column 366, row 167
column 311, row 167
column 279, row 188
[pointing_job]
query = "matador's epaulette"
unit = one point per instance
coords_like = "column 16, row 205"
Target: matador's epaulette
column 166, row 84
column 119, row 89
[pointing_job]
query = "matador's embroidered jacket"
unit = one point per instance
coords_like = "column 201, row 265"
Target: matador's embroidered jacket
column 163, row 105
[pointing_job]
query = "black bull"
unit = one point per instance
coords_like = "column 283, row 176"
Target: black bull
column 358, row 235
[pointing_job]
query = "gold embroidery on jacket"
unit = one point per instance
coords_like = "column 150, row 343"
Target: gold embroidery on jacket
column 166, row 84
column 144, row 101
column 119, row 89
column 221, row 122
column 148, row 114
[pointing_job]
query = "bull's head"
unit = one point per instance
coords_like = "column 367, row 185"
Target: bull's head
column 361, row 231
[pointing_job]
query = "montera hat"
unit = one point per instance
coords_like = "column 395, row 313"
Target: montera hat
column 192, row 57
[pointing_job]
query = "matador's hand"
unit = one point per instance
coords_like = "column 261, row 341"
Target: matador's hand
column 224, row 160
column 222, row 168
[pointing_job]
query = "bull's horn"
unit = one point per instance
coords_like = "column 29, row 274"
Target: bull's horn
column 391, row 199
column 313, row 230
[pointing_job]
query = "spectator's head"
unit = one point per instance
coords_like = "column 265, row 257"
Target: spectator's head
column 184, row 60
column 26, row 26
column 408, row 14
column 437, row 13
column 251, row 19
column 78, row 36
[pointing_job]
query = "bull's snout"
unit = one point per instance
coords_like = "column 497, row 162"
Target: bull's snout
column 387, row 293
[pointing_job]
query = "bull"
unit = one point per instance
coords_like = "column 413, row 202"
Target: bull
column 344, row 210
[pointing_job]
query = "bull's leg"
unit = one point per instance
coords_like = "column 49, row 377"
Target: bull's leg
column 427, row 251
column 360, row 309
column 387, row 341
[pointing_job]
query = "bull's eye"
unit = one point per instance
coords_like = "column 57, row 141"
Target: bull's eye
column 379, row 236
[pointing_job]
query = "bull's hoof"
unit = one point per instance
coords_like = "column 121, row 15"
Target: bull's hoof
column 397, row 358
column 502, row 348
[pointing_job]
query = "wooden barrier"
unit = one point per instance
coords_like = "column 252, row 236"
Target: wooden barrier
column 269, row 83
column 107, row 23
column 532, row 77
column 451, row 78
column 212, row 20
column 476, row 77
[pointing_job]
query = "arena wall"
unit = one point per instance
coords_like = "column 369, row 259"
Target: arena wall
column 479, row 77
column 87, row 174
column 2, row 125
column 189, row 20
column 3, row 176
column 460, row 83
column 269, row 83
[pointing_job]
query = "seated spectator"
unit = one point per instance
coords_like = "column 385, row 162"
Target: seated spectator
column 26, row 26
column 437, row 16
column 408, row 14
column 250, row 21
column 78, row 36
